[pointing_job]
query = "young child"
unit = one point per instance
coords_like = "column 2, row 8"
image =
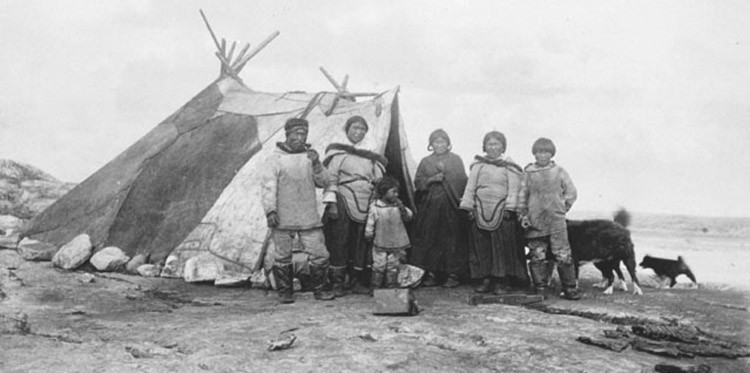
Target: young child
column 547, row 193
column 386, row 231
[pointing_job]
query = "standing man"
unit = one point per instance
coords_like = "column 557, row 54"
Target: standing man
column 288, row 194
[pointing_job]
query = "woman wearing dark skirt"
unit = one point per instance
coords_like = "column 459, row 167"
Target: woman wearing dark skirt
column 352, row 170
column 496, row 251
column 441, row 231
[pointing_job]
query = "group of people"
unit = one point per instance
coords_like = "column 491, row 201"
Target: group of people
column 464, row 227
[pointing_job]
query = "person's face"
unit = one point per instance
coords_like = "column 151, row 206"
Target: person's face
column 296, row 139
column 356, row 132
column 494, row 148
column 391, row 195
column 440, row 146
column 543, row 157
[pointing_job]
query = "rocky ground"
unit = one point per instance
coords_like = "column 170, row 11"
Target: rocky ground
column 55, row 320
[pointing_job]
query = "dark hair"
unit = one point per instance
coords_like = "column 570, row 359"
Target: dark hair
column 438, row 134
column 543, row 144
column 497, row 135
column 385, row 184
column 355, row 119
column 291, row 123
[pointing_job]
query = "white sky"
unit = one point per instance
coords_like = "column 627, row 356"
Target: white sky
column 648, row 102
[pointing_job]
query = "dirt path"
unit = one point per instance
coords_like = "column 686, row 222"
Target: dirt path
column 119, row 323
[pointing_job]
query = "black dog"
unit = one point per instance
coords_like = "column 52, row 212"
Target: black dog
column 668, row 268
column 605, row 243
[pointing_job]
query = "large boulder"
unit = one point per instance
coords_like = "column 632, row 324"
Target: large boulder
column 10, row 223
column 137, row 261
column 149, row 270
column 10, row 227
column 34, row 250
column 204, row 267
column 232, row 279
column 109, row 259
column 25, row 191
column 73, row 253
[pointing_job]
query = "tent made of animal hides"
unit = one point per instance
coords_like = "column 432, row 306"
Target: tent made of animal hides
column 190, row 187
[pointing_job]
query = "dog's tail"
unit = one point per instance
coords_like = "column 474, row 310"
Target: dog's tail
column 684, row 268
column 622, row 217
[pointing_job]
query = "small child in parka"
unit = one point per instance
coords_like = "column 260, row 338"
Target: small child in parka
column 547, row 194
column 386, row 231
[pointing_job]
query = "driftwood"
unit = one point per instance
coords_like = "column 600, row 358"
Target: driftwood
column 674, row 341
column 659, row 348
column 670, row 368
column 614, row 345
column 511, row 299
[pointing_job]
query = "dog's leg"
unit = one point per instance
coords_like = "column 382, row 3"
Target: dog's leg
column 606, row 269
column 637, row 289
column 630, row 265
column 623, row 283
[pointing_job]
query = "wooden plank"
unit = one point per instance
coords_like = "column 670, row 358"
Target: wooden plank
column 509, row 299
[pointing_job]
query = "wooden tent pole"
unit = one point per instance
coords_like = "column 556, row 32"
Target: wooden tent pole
column 210, row 31
column 225, row 66
column 345, row 82
column 242, row 52
column 231, row 51
column 330, row 79
column 239, row 65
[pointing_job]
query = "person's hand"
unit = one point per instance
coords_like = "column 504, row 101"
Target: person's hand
column 469, row 214
column 437, row 178
column 331, row 212
column 525, row 222
column 313, row 155
column 272, row 219
column 509, row 215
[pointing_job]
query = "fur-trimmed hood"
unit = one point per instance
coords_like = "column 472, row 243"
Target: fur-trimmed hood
column 500, row 162
column 283, row 147
column 532, row 167
column 338, row 148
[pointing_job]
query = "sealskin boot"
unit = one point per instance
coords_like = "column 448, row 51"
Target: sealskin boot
column 452, row 281
column 539, row 275
column 376, row 279
column 360, row 285
column 391, row 280
column 318, row 278
column 567, row 274
column 488, row 285
column 338, row 275
column 284, row 275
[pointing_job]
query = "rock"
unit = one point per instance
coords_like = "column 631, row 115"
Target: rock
column 282, row 343
column 259, row 280
column 16, row 324
column 10, row 259
column 229, row 279
column 171, row 267
column 204, row 267
column 86, row 278
column 9, row 241
column 10, row 223
column 34, row 250
column 149, row 270
column 137, row 261
column 394, row 302
column 109, row 259
column 73, row 253
column 409, row 276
